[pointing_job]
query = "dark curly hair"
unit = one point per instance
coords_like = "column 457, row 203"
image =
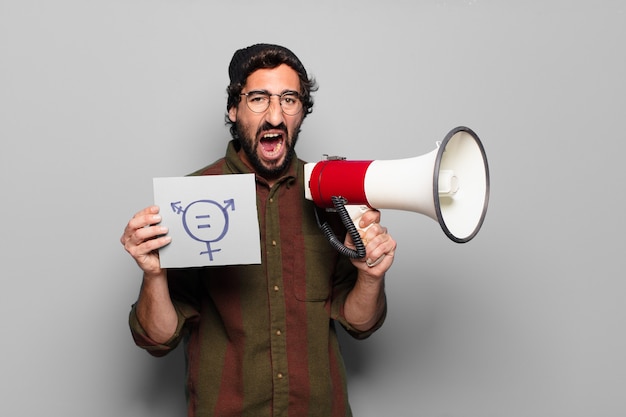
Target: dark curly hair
column 262, row 56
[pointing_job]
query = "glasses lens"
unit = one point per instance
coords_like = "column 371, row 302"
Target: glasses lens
column 258, row 101
column 290, row 103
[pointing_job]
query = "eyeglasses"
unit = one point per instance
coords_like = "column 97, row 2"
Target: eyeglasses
column 259, row 101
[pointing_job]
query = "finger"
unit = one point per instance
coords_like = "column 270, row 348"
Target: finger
column 148, row 249
column 379, row 247
column 146, row 217
column 148, row 233
column 150, row 246
column 370, row 232
column 368, row 218
column 148, row 210
column 370, row 263
column 383, row 262
column 373, row 232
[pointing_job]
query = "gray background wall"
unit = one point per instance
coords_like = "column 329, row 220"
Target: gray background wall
column 97, row 97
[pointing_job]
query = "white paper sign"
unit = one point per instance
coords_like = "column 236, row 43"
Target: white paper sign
column 212, row 220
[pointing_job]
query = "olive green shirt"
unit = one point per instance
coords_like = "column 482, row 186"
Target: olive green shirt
column 260, row 339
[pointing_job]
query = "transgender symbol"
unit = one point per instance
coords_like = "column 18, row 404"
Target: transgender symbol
column 205, row 221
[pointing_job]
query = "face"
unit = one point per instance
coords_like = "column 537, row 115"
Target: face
column 268, row 139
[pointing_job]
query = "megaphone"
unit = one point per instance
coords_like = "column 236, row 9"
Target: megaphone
column 449, row 184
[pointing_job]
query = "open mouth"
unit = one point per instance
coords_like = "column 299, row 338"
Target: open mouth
column 272, row 144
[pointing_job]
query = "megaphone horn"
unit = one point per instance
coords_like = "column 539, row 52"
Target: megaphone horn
column 449, row 184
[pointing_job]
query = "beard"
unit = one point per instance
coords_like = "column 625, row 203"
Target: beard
column 250, row 145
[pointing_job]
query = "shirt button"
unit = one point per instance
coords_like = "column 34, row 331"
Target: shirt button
column 276, row 288
column 278, row 332
column 273, row 243
column 279, row 375
column 271, row 200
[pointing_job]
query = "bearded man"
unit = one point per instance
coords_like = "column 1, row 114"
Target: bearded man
column 260, row 340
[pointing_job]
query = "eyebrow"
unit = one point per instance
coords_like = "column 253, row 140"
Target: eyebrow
column 286, row 91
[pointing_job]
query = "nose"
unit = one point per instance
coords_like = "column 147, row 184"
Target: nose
column 274, row 114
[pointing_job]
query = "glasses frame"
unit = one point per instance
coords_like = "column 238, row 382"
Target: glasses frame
column 280, row 96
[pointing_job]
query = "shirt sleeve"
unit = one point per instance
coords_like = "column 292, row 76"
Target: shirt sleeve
column 179, row 282
column 345, row 278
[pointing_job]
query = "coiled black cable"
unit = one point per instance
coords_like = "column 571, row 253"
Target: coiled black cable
column 359, row 251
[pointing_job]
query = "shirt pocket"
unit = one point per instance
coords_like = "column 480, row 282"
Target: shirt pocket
column 313, row 272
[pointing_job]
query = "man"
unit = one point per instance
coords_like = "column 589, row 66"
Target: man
column 260, row 339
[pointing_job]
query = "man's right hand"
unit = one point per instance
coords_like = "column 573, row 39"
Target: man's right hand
column 142, row 238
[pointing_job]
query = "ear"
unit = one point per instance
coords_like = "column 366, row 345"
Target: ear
column 232, row 114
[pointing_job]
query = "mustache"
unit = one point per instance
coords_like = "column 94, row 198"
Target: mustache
column 266, row 126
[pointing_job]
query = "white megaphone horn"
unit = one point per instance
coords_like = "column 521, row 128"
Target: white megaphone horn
column 449, row 184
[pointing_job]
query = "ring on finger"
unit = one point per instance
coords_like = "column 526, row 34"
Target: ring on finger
column 372, row 264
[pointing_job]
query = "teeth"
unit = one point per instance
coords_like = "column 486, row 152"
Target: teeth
column 271, row 135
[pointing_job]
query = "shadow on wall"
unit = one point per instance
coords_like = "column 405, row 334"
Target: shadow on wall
column 356, row 353
column 161, row 386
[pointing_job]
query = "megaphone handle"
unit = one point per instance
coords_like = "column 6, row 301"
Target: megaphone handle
column 349, row 224
column 355, row 213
